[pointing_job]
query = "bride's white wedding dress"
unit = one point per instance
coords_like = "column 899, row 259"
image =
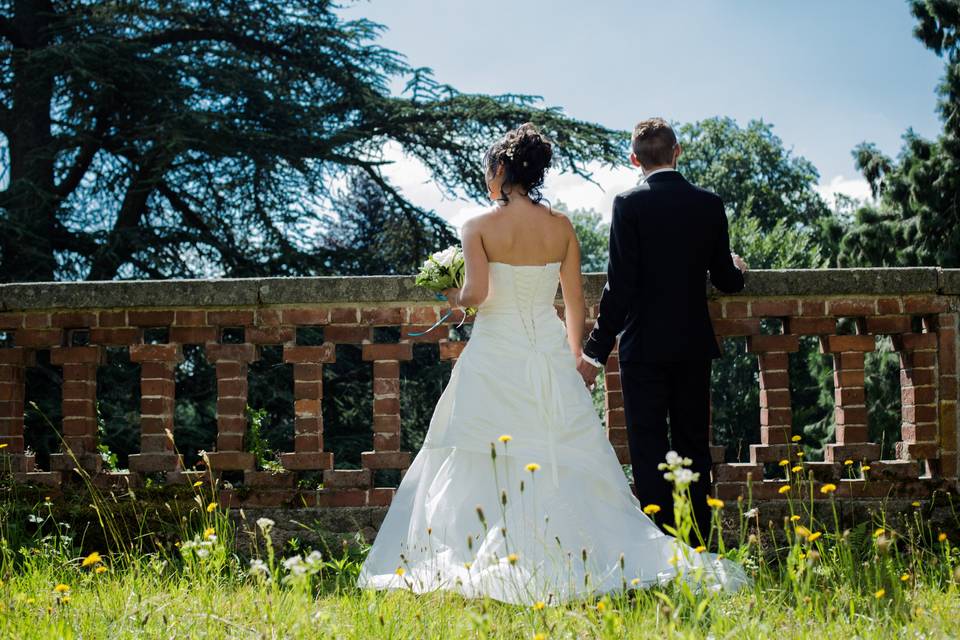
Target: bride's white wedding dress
column 552, row 534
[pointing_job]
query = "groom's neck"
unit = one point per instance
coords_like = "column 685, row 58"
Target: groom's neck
column 649, row 170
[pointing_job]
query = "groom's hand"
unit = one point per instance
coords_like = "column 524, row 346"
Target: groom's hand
column 740, row 263
column 588, row 372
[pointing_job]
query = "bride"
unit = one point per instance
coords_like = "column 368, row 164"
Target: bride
column 517, row 494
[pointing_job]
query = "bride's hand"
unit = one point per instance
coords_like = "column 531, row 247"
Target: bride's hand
column 453, row 297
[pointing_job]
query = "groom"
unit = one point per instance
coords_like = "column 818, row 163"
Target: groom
column 666, row 235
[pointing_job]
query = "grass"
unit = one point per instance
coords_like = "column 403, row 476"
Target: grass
column 811, row 579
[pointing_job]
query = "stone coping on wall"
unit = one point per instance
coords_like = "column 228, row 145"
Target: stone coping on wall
column 234, row 292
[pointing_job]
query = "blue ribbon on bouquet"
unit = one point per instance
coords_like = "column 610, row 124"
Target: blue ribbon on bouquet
column 439, row 322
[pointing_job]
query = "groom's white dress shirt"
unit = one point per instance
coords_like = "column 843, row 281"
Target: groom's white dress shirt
column 646, row 176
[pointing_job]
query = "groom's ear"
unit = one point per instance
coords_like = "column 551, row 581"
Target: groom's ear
column 676, row 153
column 634, row 161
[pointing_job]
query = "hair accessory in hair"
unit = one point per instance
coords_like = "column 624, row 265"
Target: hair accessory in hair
column 524, row 163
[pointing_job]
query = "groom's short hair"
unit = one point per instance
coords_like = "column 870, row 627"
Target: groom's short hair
column 653, row 142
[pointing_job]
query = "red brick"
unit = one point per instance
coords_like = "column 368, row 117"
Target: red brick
column 307, row 372
column 223, row 353
column 308, row 390
column 153, row 462
column 612, row 382
column 775, row 417
column 231, row 317
column 386, row 406
column 918, row 450
column 768, row 453
column 386, row 369
column 810, row 326
column 422, row 315
column 345, row 315
column 386, row 442
column 307, row 408
column 714, row 308
column 616, row 418
column 773, row 343
column 918, row 395
column 847, row 343
column 738, row 472
column 309, row 442
column 193, row 335
column 37, row 337
column 120, row 336
column 231, row 406
column 140, row 318
column 16, row 356
column 269, row 318
column 813, row 308
column 849, row 396
column 918, row 432
column 308, row 425
column 918, row 377
column 775, row 398
column 889, row 306
column 852, row 307
column 386, row 387
column 157, row 387
column 889, row 324
column 916, row 342
column 347, row 334
column 385, row 459
column 307, row 461
column 393, row 351
column 920, row 413
column 775, row 308
column 306, row 317
column 323, row 353
column 864, row 451
column 74, row 319
column 11, row 320
column 382, row 316
column 190, row 318
column 380, row 496
column 925, row 304
column 736, row 309
column 730, row 327
column 36, row 320
column 386, row 423
column 849, row 433
column 270, row 335
column 918, row 359
column 347, row 478
column 341, row 498
column 231, row 460
column 232, row 388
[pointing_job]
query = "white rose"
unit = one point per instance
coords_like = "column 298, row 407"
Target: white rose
column 446, row 257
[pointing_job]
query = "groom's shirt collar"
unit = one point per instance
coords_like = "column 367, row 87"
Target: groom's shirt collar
column 647, row 176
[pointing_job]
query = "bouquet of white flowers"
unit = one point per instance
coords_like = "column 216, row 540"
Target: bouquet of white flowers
column 443, row 270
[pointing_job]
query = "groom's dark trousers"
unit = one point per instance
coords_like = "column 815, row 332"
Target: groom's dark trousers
column 666, row 236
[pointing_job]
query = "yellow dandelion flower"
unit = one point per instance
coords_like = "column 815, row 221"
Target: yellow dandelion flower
column 799, row 454
column 198, row 483
column 211, row 507
column 915, row 503
column 784, row 462
column 635, row 581
column 796, row 469
column 700, row 549
column 828, row 488
column 813, row 536
column 905, row 577
column 802, row 555
column 651, row 509
column 3, row 445
column 209, row 531
column 533, row 466
column 62, row 588
column 538, row 605
column 505, row 438
column 847, row 463
column 512, row 558
column 64, row 599
column 879, row 532
column 467, row 565
column 942, row 537
column 802, row 531
column 401, row 571
column 714, row 503
column 601, row 606
column 865, row 467
column 782, row 490
column 880, row 593
column 540, row 636
column 91, row 559
column 794, row 518
column 795, row 439
column 100, row 569
column 672, row 560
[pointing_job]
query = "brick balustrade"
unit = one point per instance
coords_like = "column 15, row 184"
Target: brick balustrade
column 918, row 308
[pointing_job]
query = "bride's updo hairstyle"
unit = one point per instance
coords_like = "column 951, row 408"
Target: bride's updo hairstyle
column 525, row 156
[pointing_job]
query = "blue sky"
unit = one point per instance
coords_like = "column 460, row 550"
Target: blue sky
column 826, row 74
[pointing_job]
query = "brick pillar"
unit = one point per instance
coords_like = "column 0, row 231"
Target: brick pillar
column 308, row 361
column 79, row 408
column 158, row 363
column 232, row 362
column 948, row 353
column 613, row 408
column 918, row 396
column 386, row 360
column 13, row 363
column 850, row 410
column 776, row 412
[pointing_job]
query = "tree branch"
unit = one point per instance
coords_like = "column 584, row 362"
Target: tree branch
column 179, row 36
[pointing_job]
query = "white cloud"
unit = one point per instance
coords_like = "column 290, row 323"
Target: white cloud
column 856, row 188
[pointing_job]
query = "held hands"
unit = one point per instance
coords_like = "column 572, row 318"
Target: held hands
column 740, row 263
column 587, row 371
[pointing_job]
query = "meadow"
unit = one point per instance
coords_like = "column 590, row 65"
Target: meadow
column 810, row 578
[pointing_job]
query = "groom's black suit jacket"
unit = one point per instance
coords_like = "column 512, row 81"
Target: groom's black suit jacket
column 665, row 236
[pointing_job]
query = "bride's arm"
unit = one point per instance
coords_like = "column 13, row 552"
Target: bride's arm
column 476, row 279
column 574, row 307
